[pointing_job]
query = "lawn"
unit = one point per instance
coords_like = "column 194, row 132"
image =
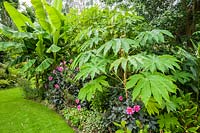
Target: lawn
column 18, row 115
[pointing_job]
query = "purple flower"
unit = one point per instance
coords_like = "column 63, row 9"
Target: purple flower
column 77, row 101
column 129, row 110
column 60, row 69
column 120, row 98
column 56, row 86
column 136, row 108
column 50, row 78
column 79, row 107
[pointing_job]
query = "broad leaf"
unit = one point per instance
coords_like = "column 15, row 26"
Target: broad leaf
column 54, row 48
column 28, row 65
column 162, row 63
column 117, row 44
column 41, row 15
column 89, row 89
column 5, row 46
column 96, row 66
column 57, row 4
column 44, row 65
column 18, row 18
column 146, row 85
column 151, row 37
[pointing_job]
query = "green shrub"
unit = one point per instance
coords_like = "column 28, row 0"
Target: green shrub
column 28, row 91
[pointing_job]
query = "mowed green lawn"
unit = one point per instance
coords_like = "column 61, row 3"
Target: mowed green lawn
column 18, row 115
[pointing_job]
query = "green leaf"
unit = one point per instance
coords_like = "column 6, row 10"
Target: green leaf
column 57, row 4
column 40, row 48
column 162, row 63
column 146, row 84
column 152, row 37
column 182, row 76
column 89, row 89
column 167, row 121
column 41, row 15
column 5, row 46
column 28, row 65
column 54, row 48
column 116, row 45
column 18, row 18
column 44, row 65
column 152, row 107
column 96, row 66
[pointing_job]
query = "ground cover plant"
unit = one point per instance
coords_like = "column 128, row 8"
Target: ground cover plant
column 107, row 69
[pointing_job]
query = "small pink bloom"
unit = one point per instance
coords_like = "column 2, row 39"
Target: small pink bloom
column 79, row 107
column 54, row 71
column 77, row 101
column 64, row 62
column 136, row 108
column 60, row 69
column 120, row 98
column 50, row 78
column 56, row 86
column 129, row 111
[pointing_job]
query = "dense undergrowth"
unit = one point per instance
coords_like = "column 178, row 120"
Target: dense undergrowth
column 106, row 70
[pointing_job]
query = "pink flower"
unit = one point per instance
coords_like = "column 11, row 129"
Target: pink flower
column 64, row 62
column 77, row 101
column 60, row 69
column 136, row 108
column 79, row 107
column 120, row 98
column 50, row 78
column 129, row 110
column 54, row 71
column 56, row 86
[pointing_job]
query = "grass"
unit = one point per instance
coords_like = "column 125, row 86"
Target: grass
column 18, row 115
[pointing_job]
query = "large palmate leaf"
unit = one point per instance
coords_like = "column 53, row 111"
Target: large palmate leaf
column 147, row 84
column 182, row 76
column 116, row 45
column 96, row 66
column 150, row 37
column 44, row 65
column 136, row 61
column 90, row 43
column 162, row 63
column 41, row 15
column 18, row 18
column 82, row 58
column 88, row 91
column 28, row 65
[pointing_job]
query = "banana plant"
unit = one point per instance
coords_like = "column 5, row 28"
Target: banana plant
column 38, row 41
